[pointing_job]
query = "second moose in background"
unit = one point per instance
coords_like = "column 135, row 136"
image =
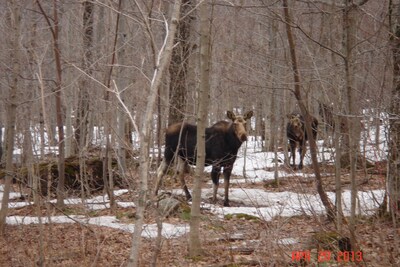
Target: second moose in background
column 297, row 136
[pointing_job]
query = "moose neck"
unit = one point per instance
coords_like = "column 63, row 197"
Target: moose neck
column 233, row 138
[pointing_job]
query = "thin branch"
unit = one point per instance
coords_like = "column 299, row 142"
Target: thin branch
column 46, row 17
column 126, row 109
column 149, row 32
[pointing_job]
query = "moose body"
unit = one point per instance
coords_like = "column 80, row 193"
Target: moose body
column 222, row 142
column 297, row 136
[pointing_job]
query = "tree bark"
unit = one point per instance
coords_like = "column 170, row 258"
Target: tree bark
column 393, row 176
column 82, row 113
column 107, row 172
column 178, row 68
column 1, row 143
column 122, row 83
column 349, row 31
column 59, row 113
column 54, row 26
column 195, row 248
column 14, row 20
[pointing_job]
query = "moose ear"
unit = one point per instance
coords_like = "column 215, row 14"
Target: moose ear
column 248, row 115
column 231, row 115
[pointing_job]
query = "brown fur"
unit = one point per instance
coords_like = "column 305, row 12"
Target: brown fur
column 297, row 136
column 223, row 140
column 174, row 128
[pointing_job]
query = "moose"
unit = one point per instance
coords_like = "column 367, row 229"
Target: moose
column 222, row 142
column 297, row 135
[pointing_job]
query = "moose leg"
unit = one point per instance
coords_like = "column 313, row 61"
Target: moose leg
column 227, row 176
column 160, row 173
column 302, row 152
column 182, row 165
column 292, row 146
column 215, row 173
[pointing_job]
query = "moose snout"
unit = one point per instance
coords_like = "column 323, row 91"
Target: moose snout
column 243, row 137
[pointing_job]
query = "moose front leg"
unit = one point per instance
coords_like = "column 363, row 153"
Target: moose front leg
column 227, row 176
column 302, row 152
column 292, row 148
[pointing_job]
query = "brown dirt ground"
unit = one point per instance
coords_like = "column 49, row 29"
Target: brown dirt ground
column 232, row 241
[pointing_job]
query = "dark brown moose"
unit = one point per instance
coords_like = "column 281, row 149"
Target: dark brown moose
column 297, row 136
column 223, row 140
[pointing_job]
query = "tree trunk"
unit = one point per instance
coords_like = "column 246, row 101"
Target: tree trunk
column 82, row 113
column 69, row 140
column 162, row 62
column 122, row 84
column 1, row 143
column 178, row 69
column 54, row 26
column 393, row 176
column 44, row 121
column 14, row 20
column 338, row 181
column 350, row 14
column 195, row 248
column 59, row 113
column 107, row 172
column 297, row 92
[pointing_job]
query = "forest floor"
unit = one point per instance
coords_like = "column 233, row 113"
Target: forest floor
column 230, row 241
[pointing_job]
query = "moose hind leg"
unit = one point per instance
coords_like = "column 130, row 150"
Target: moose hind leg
column 215, row 173
column 162, row 169
column 227, row 176
column 302, row 152
column 182, row 166
column 292, row 147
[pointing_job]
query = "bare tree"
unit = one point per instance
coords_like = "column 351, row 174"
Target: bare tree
column 195, row 248
column 82, row 112
column 13, row 20
column 55, row 30
column 178, row 70
column 350, row 42
column 108, row 178
column 393, row 175
column 162, row 62
column 122, row 81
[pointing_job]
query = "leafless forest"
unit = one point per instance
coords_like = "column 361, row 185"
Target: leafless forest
column 89, row 86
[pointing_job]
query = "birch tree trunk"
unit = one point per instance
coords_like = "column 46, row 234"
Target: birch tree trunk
column 13, row 20
column 204, row 96
column 162, row 62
